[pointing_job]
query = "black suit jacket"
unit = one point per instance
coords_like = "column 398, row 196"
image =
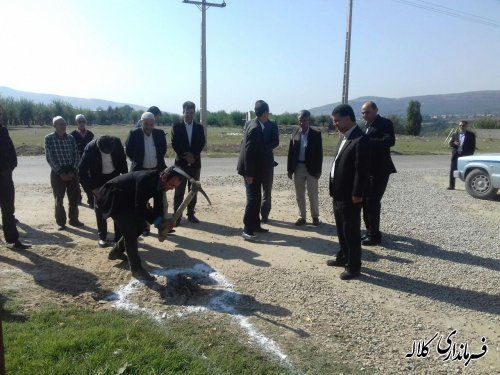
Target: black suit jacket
column 129, row 194
column 8, row 157
column 134, row 146
column 313, row 152
column 468, row 147
column 252, row 153
column 90, row 168
column 271, row 141
column 382, row 138
column 180, row 144
column 351, row 168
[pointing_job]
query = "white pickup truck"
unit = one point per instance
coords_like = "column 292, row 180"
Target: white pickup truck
column 481, row 174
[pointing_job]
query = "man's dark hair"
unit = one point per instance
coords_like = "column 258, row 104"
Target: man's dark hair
column 154, row 110
column 304, row 114
column 465, row 122
column 188, row 105
column 261, row 107
column 106, row 143
column 344, row 110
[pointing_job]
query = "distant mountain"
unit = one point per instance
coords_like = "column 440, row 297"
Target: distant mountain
column 462, row 104
column 91, row 104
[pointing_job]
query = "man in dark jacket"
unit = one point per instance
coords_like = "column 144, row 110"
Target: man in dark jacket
column 347, row 182
column 125, row 199
column 271, row 141
column 102, row 160
column 250, row 166
column 146, row 148
column 462, row 143
column 8, row 162
column 82, row 137
column 380, row 133
column 188, row 141
column 305, row 160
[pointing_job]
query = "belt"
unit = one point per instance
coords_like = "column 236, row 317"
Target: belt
column 301, row 161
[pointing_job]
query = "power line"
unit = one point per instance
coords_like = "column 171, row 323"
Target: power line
column 450, row 12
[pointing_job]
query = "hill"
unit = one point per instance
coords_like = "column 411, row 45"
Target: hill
column 91, row 104
column 461, row 104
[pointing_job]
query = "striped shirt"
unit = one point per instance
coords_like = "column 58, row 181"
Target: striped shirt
column 61, row 153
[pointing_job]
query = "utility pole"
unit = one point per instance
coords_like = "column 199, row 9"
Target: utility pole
column 203, row 6
column 347, row 59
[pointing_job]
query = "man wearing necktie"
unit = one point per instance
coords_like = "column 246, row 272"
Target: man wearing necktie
column 348, row 178
column 462, row 143
column 380, row 133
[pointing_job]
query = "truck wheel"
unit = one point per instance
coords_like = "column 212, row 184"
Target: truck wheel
column 478, row 184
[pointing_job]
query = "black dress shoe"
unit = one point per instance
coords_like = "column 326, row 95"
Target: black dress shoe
column 261, row 230
column 264, row 220
column 348, row 275
column 370, row 242
column 316, row 221
column 20, row 246
column 450, row 188
column 335, row 263
column 142, row 275
column 193, row 219
column 247, row 235
column 300, row 221
column 115, row 254
column 76, row 223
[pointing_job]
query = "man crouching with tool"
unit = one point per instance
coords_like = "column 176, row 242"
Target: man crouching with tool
column 124, row 198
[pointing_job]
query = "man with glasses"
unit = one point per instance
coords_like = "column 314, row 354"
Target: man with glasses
column 188, row 140
column 83, row 136
column 462, row 143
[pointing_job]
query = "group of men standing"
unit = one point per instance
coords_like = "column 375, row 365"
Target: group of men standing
column 358, row 177
column 100, row 166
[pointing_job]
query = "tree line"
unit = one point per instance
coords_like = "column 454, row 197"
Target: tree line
column 26, row 112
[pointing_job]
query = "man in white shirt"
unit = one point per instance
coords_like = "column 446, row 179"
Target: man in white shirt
column 188, row 141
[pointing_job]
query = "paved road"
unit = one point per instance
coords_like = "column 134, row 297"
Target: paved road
column 35, row 170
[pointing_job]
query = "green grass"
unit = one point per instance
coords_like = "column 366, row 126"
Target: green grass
column 76, row 341
column 225, row 142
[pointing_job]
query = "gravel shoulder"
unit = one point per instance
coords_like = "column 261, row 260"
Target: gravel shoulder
column 438, row 271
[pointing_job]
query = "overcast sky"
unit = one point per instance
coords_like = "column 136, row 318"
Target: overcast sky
column 287, row 52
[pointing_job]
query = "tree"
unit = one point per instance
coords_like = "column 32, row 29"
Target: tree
column 397, row 124
column 413, row 118
column 26, row 111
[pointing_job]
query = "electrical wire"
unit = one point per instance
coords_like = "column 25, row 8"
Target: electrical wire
column 426, row 5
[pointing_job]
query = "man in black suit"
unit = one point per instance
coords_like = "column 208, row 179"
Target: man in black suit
column 462, row 143
column 305, row 160
column 102, row 160
column 380, row 132
column 250, row 166
column 348, row 178
column 271, row 141
column 82, row 137
column 8, row 162
column 124, row 198
column 146, row 148
column 188, row 140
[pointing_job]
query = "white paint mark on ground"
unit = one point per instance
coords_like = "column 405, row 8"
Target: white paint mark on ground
column 223, row 302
